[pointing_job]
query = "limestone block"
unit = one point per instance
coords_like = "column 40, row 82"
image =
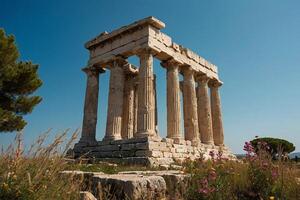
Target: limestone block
column 165, row 161
column 127, row 186
column 165, row 149
column 181, row 150
column 128, row 147
column 188, row 143
column 108, row 148
column 142, row 146
column 167, row 154
column 175, row 47
column 179, row 141
column 177, row 155
column 167, row 140
column 145, row 153
column 179, row 146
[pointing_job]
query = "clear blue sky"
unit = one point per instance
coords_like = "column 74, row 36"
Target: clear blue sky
column 255, row 44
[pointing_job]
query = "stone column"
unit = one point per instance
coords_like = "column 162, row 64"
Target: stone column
column 173, row 101
column 128, row 108
column 115, row 101
column 191, row 129
column 204, row 111
column 216, row 112
column 135, row 108
column 146, row 101
column 155, row 103
column 88, row 134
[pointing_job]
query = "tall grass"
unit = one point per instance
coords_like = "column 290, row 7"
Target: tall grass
column 36, row 172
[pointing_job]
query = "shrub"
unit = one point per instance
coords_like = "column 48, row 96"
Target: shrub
column 35, row 174
column 275, row 146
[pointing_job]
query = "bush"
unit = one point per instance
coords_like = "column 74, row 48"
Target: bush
column 275, row 146
column 36, row 174
column 257, row 176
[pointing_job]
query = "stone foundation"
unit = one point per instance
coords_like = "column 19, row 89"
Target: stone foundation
column 148, row 151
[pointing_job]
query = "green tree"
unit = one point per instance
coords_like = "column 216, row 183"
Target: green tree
column 18, row 80
column 275, row 146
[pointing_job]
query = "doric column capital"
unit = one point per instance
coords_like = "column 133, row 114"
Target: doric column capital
column 145, row 51
column 187, row 72
column 170, row 64
column 214, row 83
column 117, row 62
column 202, row 79
column 93, row 71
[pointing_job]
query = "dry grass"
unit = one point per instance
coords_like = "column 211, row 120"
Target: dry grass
column 35, row 174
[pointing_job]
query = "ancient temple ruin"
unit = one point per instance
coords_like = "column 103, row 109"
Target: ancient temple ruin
column 131, row 134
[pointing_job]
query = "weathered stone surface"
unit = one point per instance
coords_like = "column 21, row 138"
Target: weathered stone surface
column 176, row 181
column 88, row 135
column 217, row 123
column 173, row 101
column 128, row 107
column 129, row 186
column 115, row 101
column 191, row 129
column 146, row 103
column 204, row 111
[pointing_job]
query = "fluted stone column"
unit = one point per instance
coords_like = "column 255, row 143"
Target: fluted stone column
column 218, row 133
column 191, row 129
column 88, row 134
column 128, row 108
column 173, row 101
column 146, row 100
column 155, row 103
column 115, row 101
column 135, row 110
column 204, row 111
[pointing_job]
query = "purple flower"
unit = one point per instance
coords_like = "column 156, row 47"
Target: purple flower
column 219, row 155
column 212, row 154
column 274, row 173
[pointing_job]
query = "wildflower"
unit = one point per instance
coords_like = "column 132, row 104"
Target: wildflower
column 265, row 164
column 219, row 155
column 248, row 147
column 274, row 173
column 204, row 191
column 212, row 154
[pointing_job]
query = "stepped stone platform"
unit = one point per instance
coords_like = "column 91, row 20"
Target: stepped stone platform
column 149, row 151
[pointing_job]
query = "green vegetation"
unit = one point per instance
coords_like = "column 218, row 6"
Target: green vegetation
column 18, row 80
column 257, row 176
column 275, row 146
column 108, row 168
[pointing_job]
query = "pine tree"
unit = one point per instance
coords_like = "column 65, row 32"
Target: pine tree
column 18, row 80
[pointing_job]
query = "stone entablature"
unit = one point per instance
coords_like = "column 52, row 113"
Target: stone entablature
column 131, row 128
